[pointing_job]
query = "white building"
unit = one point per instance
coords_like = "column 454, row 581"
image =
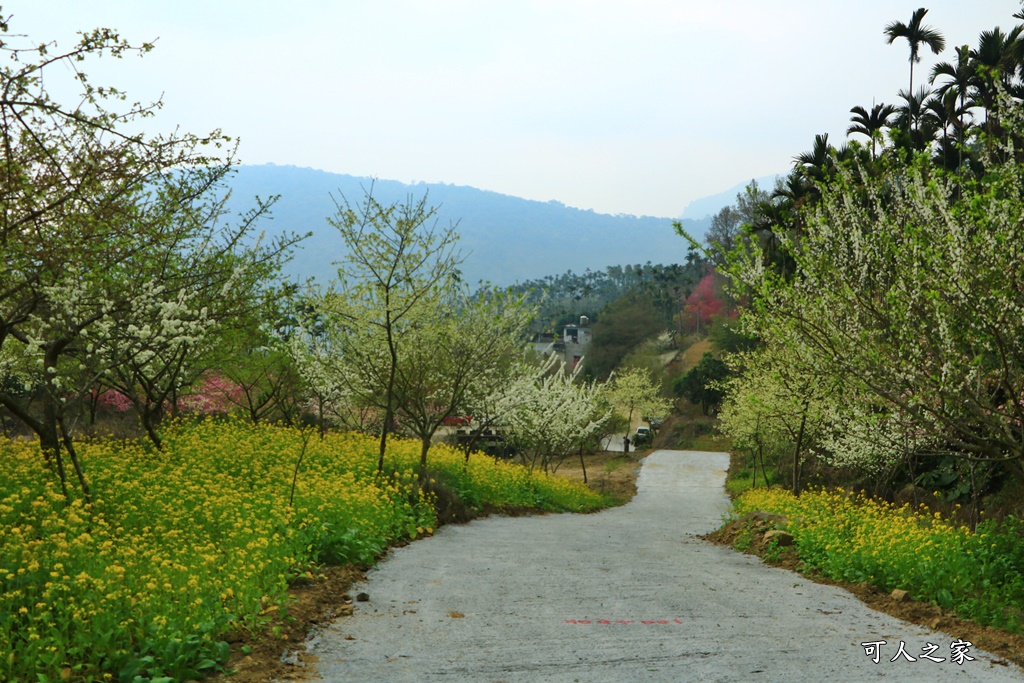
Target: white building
column 575, row 339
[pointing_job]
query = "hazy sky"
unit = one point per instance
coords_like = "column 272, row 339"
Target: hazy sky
column 622, row 107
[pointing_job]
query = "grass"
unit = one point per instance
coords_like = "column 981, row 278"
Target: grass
column 183, row 546
column 979, row 576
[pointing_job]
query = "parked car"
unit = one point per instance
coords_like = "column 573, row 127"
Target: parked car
column 642, row 437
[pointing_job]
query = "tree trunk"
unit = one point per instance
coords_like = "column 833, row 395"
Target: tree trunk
column 298, row 464
column 424, row 449
column 69, row 446
column 974, row 496
column 753, row 480
column 47, row 427
column 148, row 417
column 799, row 447
column 320, row 415
column 93, row 403
column 389, row 396
column 911, row 463
column 49, row 442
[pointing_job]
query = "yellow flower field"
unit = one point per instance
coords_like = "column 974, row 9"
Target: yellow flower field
column 979, row 575
column 198, row 539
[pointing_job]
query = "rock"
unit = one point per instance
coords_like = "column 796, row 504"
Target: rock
column 766, row 517
column 900, row 595
column 782, row 538
column 363, row 597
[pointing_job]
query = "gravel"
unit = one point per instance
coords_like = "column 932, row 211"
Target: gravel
column 628, row 594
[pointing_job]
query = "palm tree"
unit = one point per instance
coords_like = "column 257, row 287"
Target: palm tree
column 941, row 113
column 916, row 34
column 961, row 82
column 871, row 124
column 995, row 62
column 909, row 116
column 796, row 189
column 815, row 164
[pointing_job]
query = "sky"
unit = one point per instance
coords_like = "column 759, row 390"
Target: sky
column 635, row 107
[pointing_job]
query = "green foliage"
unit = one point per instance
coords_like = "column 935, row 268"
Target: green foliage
column 703, row 384
column 975, row 575
column 623, row 326
column 563, row 298
column 180, row 548
column 728, row 337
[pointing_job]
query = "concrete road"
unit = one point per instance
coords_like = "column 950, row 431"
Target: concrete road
column 629, row 594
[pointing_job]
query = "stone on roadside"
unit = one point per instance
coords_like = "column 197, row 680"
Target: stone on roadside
column 762, row 517
column 782, row 538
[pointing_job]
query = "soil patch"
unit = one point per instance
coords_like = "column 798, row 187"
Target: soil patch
column 315, row 599
column 747, row 535
column 607, row 472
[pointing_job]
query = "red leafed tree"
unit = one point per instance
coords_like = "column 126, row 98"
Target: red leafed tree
column 703, row 302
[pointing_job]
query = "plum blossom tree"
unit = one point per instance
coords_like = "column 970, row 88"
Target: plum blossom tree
column 776, row 406
column 908, row 283
column 462, row 342
column 547, row 413
column 141, row 216
column 633, row 392
column 397, row 263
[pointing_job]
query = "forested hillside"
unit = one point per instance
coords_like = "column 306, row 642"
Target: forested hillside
column 504, row 239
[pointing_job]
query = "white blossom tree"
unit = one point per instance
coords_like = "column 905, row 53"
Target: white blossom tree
column 106, row 234
column 777, row 406
column 548, row 413
column 459, row 344
column 398, row 260
column 908, row 282
column 633, row 392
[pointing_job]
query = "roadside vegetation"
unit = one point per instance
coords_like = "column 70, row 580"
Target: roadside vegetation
column 859, row 327
column 873, row 393
column 853, row 538
column 182, row 548
column 186, row 434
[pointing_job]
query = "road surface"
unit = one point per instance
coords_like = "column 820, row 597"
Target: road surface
column 628, row 594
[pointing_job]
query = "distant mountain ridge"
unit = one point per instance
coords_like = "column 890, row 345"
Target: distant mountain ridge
column 706, row 207
column 504, row 239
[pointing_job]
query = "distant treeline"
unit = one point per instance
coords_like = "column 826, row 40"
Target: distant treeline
column 563, row 298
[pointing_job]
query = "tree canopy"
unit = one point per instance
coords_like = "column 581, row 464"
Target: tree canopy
column 156, row 268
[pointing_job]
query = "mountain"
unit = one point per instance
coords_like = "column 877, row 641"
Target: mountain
column 706, row 207
column 504, row 239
